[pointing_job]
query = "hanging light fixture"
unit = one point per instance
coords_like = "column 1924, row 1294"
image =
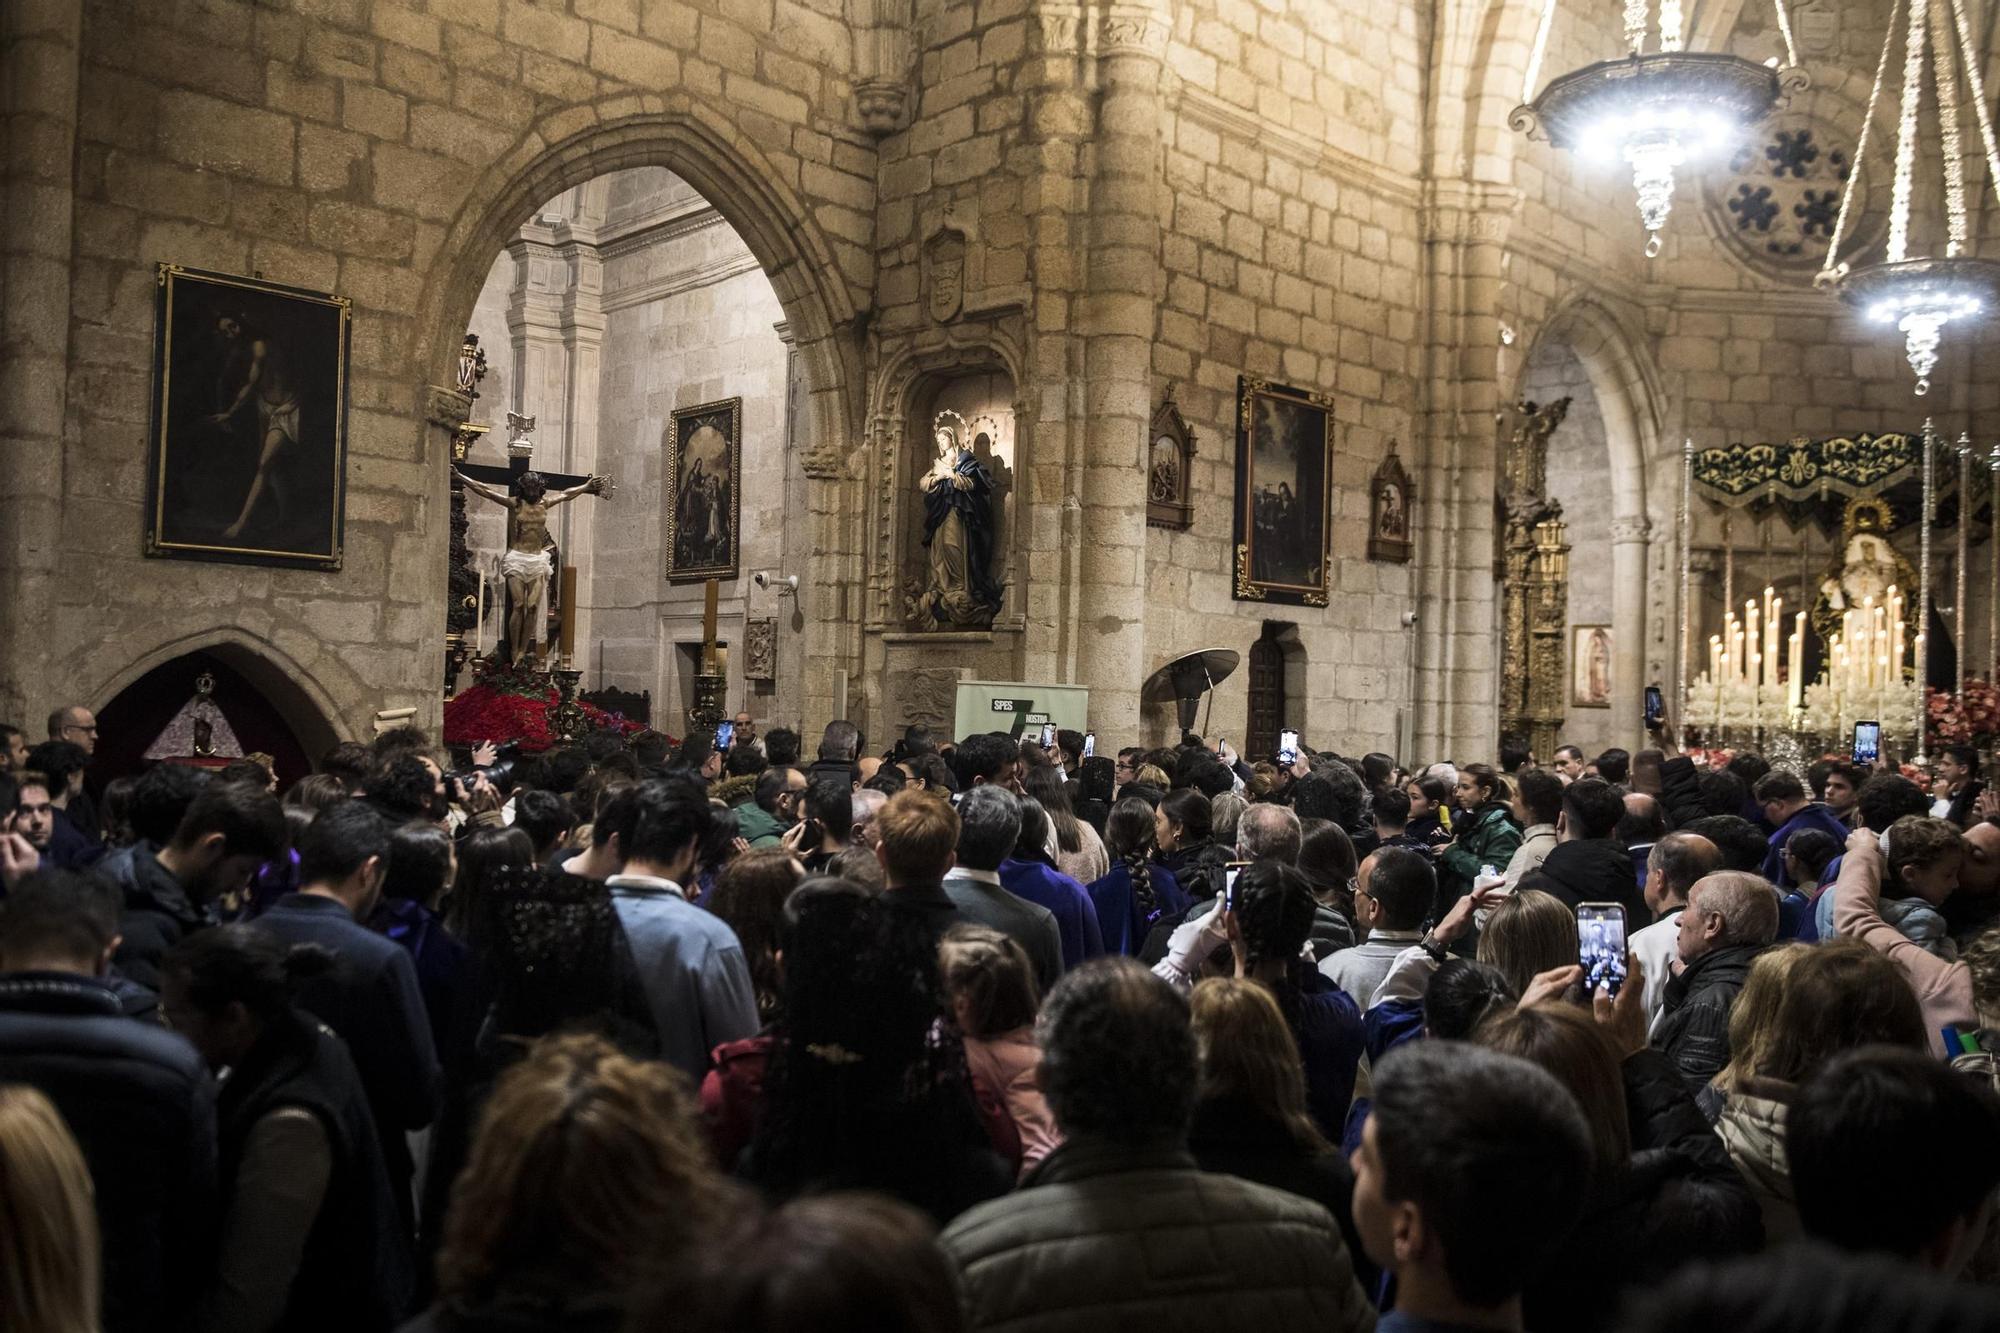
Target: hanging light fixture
column 1921, row 296
column 1658, row 111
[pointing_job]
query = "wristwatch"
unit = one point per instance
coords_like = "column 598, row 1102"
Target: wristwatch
column 1433, row 946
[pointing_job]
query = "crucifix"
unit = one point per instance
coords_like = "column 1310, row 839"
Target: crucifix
column 531, row 558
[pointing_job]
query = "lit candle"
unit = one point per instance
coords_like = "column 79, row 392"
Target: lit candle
column 1796, row 695
column 1771, row 658
column 1751, row 639
column 479, row 619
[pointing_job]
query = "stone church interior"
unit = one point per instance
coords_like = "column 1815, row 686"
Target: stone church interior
column 499, row 494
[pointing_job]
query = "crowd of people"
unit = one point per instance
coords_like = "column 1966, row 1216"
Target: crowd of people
column 940, row 1036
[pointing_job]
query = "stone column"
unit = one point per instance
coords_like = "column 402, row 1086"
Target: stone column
column 1114, row 324
column 39, row 41
column 1629, row 537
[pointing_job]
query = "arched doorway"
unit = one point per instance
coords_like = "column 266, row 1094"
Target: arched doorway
column 267, row 711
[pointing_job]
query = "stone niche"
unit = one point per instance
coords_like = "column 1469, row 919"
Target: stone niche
column 925, row 653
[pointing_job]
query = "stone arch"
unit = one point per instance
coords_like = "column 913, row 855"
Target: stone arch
column 1626, row 386
column 690, row 138
column 313, row 708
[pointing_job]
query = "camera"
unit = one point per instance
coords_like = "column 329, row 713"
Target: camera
column 500, row 772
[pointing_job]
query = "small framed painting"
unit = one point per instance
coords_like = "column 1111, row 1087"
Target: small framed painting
column 704, row 478
column 1390, row 510
column 248, row 450
column 1590, row 666
column 1284, row 493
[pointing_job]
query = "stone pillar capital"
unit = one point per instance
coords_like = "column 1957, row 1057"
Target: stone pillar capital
column 1627, row 530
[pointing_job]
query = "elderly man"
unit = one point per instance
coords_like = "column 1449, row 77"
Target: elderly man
column 1118, row 1228
column 1730, row 918
column 989, row 826
column 75, row 724
column 1676, row 864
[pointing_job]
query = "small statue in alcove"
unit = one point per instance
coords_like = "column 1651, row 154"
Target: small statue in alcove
column 959, row 590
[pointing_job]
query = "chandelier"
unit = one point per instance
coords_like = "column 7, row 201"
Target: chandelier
column 1922, row 296
column 1658, row 111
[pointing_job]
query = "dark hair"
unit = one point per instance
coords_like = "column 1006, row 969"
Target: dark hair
column 1644, row 820
column 1390, row 807
column 1484, row 777
column 399, row 743
column 1542, row 794
column 1274, row 911
column 480, row 858
column 1118, row 1057
column 1403, row 884
column 867, row 1088
column 1778, row 785
column 1207, row 775
column 749, row 897
column 917, row 740
column 1742, row 844
column 314, row 793
column 1749, row 766
column 1722, row 792
column 1435, row 789
column 419, row 862
column 772, row 784
column 403, row 787
column 563, row 769
column 249, row 820
column 1377, row 768
column 340, row 841
column 744, row 760
column 829, row 1264
column 1046, row 785
column 114, row 812
column 246, row 965
column 1814, row 849
column 244, row 770
column 1807, row 1288
column 1514, row 753
column 1858, row 1196
column 781, row 745
column 990, row 972
column 1461, row 993
column 983, row 756
column 349, row 761
column 57, row 760
column 1614, row 765
column 672, row 816
column 1327, row 860
column 1032, row 842
column 1192, row 811
column 544, row 816
column 1886, row 798
column 695, row 750
column 1965, row 756
column 1594, row 809
column 59, row 913
column 831, row 802
column 989, row 824
column 1128, row 838
column 160, row 799
column 1457, row 1127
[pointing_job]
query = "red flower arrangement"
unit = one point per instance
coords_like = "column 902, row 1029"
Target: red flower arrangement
column 1971, row 718
column 492, row 712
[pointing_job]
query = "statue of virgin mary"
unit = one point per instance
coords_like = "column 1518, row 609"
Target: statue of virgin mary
column 959, row 589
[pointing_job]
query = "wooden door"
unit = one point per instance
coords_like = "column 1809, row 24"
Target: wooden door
column 1267, row 697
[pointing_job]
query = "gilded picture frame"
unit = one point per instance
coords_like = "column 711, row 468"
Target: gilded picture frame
column 1284, row 493
column 1391, row 511
column 247, row 446
column 1590, row 648
column 703, row 493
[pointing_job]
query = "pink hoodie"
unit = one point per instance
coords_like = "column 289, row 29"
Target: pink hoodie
column 1944, row 990
column 1007, row 1063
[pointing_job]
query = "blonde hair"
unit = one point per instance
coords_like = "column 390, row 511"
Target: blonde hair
column 1151, row 775
column 589, row 1168
column 1529, row 932
column 919, row 834
column 1753, row 1019
column 1243, row 1048
column 48, row 1222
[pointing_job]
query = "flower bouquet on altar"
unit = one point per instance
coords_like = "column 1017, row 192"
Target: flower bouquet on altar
column 1971, row 718
column 515, row 703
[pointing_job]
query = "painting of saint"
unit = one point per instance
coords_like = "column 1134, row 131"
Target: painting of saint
column 248, row 450
column 1284, row 456
column 1590, row 666
column 704, row 474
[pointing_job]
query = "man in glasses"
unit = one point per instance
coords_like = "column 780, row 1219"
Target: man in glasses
column 75, row 724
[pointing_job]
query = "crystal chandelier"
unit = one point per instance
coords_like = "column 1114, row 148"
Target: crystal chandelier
column 1922, row 296
column 1657, row 111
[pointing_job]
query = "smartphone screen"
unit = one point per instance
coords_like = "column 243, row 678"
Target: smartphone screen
column 1867, row 742
column 725, row 735
column 1048, row 735
column 1656, row 706
column 1600, row 946
column 1288, row 746
column 1089, row 745
column 1232, row 870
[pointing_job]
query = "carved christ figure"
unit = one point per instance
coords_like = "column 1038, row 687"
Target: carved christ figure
column 526, row 565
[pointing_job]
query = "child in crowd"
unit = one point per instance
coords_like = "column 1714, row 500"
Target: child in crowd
column 991, row 987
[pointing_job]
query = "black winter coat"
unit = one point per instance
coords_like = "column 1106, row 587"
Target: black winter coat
column 142, row 1107
column 1680, row 792
column 1693, row 1027
column 1676, row 1200
column 1592, row 870
column 158, row 912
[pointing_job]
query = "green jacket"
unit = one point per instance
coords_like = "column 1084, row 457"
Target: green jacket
column 758, row 826
column 1487, row 836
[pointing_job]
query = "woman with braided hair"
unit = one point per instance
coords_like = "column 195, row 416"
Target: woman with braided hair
column 1138, row 892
